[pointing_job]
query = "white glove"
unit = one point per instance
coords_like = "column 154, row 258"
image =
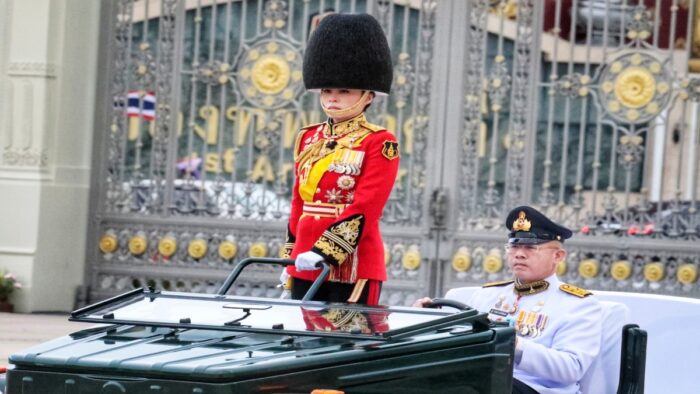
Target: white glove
column 284, row 277
column 307, row 261
column 284, row 284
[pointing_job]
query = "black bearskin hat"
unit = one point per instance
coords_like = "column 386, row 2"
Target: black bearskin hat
column 348, row 51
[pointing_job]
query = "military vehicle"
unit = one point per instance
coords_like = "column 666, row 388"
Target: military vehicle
column 151, row 341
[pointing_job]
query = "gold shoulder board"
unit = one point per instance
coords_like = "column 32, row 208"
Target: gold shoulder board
column 573, row 290
column 311, row 126
column 498, row 283
column 372, row 127
column 301, row 132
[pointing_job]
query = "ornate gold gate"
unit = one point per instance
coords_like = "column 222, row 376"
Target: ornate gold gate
column 583, row 108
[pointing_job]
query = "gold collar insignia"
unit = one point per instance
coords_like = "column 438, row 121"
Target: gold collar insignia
column 347, row 126
column 530, row 288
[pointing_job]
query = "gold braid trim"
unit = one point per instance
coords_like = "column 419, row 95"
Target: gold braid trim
column 340, row 240
column 289, row 241
column 573, row 290
column 349, row 231
column 330, row 249
column 287, row 250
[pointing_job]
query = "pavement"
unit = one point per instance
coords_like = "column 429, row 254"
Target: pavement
column 22, row 330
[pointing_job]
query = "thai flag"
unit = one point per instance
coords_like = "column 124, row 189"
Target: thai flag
column 142, row 104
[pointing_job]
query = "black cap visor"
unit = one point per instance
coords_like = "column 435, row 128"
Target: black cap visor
column 523, row 238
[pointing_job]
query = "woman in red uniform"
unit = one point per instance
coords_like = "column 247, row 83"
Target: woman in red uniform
column 345, row 167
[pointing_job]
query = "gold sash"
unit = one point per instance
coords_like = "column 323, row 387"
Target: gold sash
column 307, row 188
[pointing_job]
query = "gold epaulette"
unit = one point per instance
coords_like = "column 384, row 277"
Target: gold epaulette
column 573, row 290
column 301, row 132
column 498, row 283
column 310, row 126
column 372, row 127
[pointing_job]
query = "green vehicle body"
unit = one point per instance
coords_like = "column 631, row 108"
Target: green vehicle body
column 168, row 342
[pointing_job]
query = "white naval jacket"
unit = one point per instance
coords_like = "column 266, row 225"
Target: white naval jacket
column 556, row 358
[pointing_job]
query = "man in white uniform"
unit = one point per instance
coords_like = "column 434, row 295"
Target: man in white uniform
column 558, row 326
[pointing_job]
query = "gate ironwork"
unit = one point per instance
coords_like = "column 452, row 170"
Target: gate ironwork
column 583, row 108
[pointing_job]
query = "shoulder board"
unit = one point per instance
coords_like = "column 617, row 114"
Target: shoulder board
column 372, row 127
column 311, row 126
column 573, row 290
column 300, row 134
column 496, row 284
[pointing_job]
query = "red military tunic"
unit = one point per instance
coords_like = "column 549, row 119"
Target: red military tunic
column 344, row 174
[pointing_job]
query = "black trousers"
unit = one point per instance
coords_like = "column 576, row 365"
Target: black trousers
column 521, row 388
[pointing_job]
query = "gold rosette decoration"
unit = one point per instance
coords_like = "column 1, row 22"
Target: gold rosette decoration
column 621, row 270
column 654, row 272
column 634, row 87
column 411, row 260
column 462, row 260
column 137, row 244
column 228, row 250
column 687, row 274
column 108, row 243
column 588, row 268
column 561, row 268
column 269, row 73
column 257, row 249
column 197, row 248
column 493, row 262
column 387, row 255
column 167, row 246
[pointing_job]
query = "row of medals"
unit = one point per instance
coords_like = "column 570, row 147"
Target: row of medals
column 527, row 323
column 347, row 161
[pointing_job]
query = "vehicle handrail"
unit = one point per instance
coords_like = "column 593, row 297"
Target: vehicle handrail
column 226, row 286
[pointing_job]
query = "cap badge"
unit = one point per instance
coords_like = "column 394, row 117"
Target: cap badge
column 521, row 223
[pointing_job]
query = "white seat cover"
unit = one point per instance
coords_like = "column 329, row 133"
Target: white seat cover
column 604, row 374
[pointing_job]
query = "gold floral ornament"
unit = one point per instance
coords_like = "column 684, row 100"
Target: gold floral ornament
column 269, row 73
column 213, row 73
column 275, row 14
column 404, row 77
column 634, row 87
column 257, row 249
column 411, row 260
column 640, row 26
column 387, row 255
column 687, row 274
column 228, row 250
column 654, row 272
column 588, row 268
column 167, row 246
column 137, row 244
column 462, row 260
column 630, row 149
column 493, row 262
column 621, row 270
column 573, row 85
column 108, row 243
column 561, row 268
column 197, row 248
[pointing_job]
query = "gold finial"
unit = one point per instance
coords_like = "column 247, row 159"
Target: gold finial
column 521, row 223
